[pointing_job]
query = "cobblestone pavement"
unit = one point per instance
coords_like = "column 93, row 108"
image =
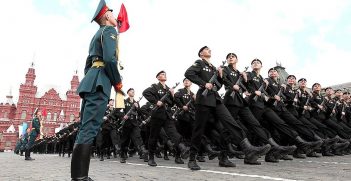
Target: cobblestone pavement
column 52, row 167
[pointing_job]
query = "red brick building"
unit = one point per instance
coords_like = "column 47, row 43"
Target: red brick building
column 59, row 111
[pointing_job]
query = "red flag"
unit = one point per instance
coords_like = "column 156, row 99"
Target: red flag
column 122, row 19
column 44, row 112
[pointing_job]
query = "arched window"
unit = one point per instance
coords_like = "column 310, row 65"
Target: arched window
column 55, row 116
column 24, row 115
column 48, row 117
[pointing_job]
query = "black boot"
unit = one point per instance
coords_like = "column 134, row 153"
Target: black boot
column 192, row 163
column 178, row 160
column 27, row 155
column 212, row 154
column 298, row 154
column 223, row 160
column 307, row 147
column 107, row 151
column 21, row 153
column 80, row 162
column 200, row 158
column 144, row 153
column 252, row 152
column 151, row 161
column 232, row 150
column 184, row 151
column 165, row 155
column 101, row 156
column 123, row 157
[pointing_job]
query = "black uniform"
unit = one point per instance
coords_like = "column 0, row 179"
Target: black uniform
column 162, row 117
column 185, row 118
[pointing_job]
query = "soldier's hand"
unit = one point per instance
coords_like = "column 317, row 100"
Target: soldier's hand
column 283, row 85
column 236, row 87
column 258, row 93
column 220, row 71
column 295, row 100
column 125, row 117
column 209, row 86
column 136, row 104
column 320, row 107
column 159, row 103
column 118, row 86
column 185, row 108
column 194, row 97
column 305, row 108
column 266, row 81
column 244, row 74
column 172, row 91
column 246, row 93
column 277, row 98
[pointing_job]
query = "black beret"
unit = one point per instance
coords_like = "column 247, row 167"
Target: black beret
column 231, row 54
column 198, row 54
column 271, row 69
column 315, row 84
column 110, row 100
column 338, row 90
column 256, row 59
column 185, row 79
column 291, row 76
column 328, row 88
column 302, row 79
column 162, row 71
column 129, row 90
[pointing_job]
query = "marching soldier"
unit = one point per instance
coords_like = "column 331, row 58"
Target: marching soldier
column 162, row 117
column 101, row 74
column 130, row 129
column 209, row 106
column 234, row 83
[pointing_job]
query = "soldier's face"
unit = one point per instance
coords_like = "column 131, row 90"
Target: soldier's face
column 317, row 87
column 256, row 65
column 273, row 73
column 302, row 83
column 110, row 103
column 206, row 52
column 232, row 59
column 162, row 77
column 131, row 93
column 291, row 80
column 187, row 83
column 111, row 18
column 338, row 93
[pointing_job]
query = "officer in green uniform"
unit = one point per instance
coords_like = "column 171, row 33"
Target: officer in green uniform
column 34, row 132
column 101, row 74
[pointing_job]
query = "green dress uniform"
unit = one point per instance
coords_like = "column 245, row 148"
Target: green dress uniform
column 32, row 137
column 101, row 74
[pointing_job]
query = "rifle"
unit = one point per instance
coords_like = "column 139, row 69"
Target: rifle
column 334, row 109
column 306, row 104
column 146, row 121
column 181, row 111
column 343, row 111
column 261, row 89
column 238, row 82
column 280, row 95
column 296, row 98
column 128, row 114
column 322, row 104
column 212, row 80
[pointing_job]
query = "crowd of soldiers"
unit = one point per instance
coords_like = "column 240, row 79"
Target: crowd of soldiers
column 255, row 117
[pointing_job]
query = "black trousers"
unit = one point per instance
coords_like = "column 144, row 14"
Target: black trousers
column 130, row 132
column 155, row 127
column 229, row 128
column 251, row 123
column 337, row 127
column 301, row 128
column 327, row 131
column 272, row 121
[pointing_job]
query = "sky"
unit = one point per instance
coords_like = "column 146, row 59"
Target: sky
column 310, row 39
